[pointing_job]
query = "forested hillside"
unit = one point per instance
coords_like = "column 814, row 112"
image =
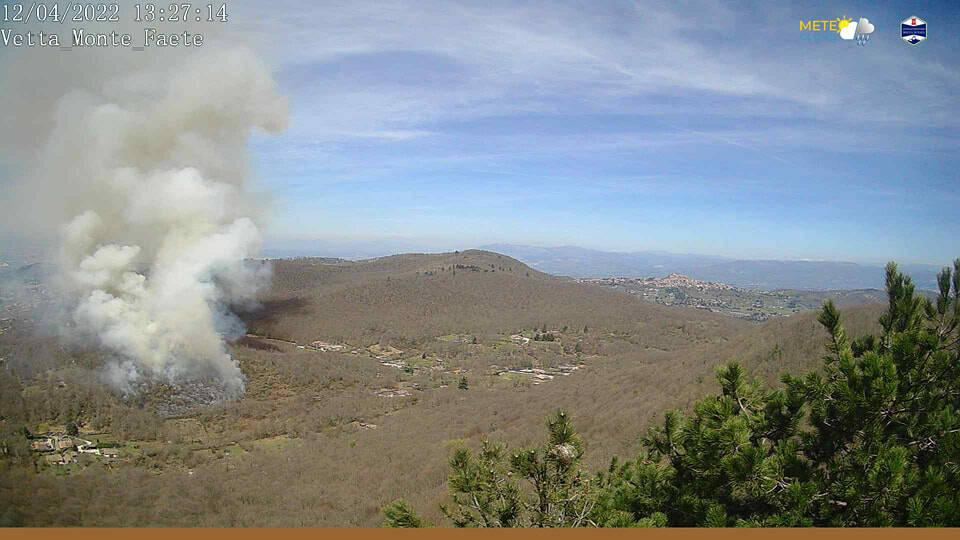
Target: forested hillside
column 409, row 297
column 361, row 380
column 872, row 439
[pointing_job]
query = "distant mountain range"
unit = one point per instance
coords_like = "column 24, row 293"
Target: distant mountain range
column 343, row 248
column 748, row 274
column 585, row 263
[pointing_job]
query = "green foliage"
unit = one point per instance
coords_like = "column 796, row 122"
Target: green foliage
column 463, row 384
column 873, row 441
column 399, row 514
column 534, row 487
column 14, row 442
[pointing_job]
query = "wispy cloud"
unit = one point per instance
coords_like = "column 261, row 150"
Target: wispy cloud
column 567, row 103
column 502, row 58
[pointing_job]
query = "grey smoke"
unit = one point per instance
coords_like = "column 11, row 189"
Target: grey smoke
column 140, row 163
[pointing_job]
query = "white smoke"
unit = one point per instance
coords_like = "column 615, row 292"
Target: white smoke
column 144, row 166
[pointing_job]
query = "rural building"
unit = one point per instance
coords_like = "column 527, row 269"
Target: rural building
column 42, row 445
column 88, row 449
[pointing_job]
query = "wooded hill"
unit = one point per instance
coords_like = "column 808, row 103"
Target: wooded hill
column 415, row 296
column 298, row 449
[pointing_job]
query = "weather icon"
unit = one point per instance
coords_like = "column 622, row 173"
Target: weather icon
column 851, row 29
column 847, row 28
column 864, row 29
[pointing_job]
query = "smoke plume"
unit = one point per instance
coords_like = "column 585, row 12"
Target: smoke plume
column 140, row 162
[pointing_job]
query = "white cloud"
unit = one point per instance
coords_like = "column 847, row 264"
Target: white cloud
column 383, row 78
column 848, row 31
column 506, row 58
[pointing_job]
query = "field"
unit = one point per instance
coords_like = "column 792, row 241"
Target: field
column 354, row 393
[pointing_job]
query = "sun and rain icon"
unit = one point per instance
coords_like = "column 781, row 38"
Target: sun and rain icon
column 860, row 30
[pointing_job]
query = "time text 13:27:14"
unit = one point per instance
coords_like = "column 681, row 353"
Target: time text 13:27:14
column 179, row 12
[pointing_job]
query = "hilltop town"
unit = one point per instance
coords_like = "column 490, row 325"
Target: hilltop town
column 679, row 290
column 671, row 280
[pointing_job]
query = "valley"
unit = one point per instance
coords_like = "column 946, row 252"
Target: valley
column 361, row 377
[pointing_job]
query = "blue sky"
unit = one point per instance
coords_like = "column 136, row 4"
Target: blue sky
column 699, row 127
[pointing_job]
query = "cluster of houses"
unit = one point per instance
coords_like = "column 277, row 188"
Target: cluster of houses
column 392, row 392
column 63, row 450
column 672, row 280
column 22, row 307
column 324, row 347
column 419, row 368
column 542, row 375
column 402, row 389
column 327, row 347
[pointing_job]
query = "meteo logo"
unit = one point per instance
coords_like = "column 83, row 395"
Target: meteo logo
column 859, row 29
column 820, row 26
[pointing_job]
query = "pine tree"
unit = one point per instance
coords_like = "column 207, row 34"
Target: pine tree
column 872, row 441
column 885, row 415
column 399, row 514
column 488, row 491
